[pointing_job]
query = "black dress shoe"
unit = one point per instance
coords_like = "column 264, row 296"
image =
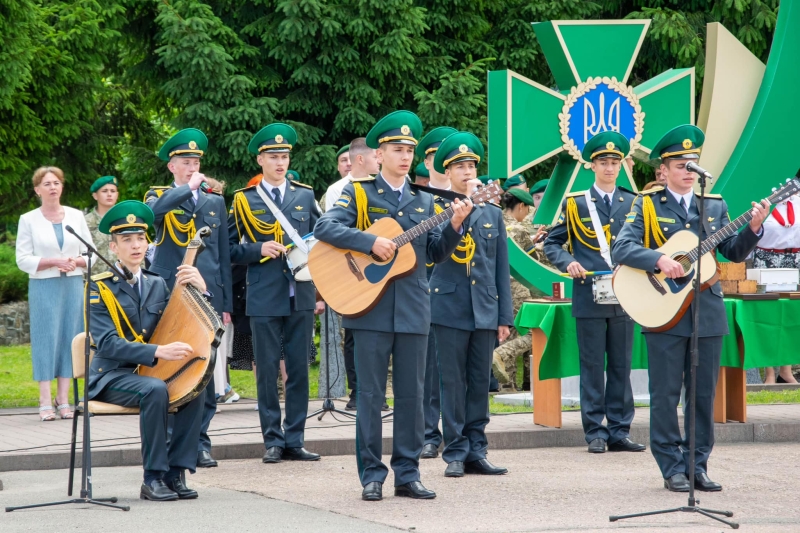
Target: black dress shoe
column 454, row 469
column 429, row 451
column 704, row 483
column 597, row 446
column 414, row 489
column 626, row 445
column 157, row 491
column 484, row 467
column 178, row 486
column 274, row 455
column 373, row 492
column 204, row 460
column 299, row 454
column 385, row 407
column 351, row 403
column 677, row 483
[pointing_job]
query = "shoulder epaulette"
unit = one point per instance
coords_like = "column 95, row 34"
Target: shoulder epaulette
column 161, row 186
column 652, row 191
column 243, row 189
column 365, row 178
column 573, row 194
column 303, row 185
column 102, row 275
column 627, row 190
column 709, row 195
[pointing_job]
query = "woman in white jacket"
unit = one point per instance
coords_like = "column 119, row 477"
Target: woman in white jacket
column 52, row 259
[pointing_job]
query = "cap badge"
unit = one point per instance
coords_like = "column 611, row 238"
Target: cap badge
column 299, row 207
column 687, row 144
column 131, row 218
column 279, row 138
column 405, row 130
column 192, row 145
column 463, row 149
column 609, row 145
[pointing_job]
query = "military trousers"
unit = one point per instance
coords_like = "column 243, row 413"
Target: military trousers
column 605, row 346
column 209, row 410
column 151, row 397
column 430, row 400
column 465, row 364
column 296, row 332
column 372, row 351
column 669, row 367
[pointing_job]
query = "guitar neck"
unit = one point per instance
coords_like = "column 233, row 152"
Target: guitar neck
column 424, row 227
column 713, row 241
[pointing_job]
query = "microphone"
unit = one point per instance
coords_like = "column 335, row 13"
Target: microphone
column 691, row 166
column 205, row 187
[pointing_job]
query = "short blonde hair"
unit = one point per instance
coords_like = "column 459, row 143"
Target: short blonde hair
column 41, row 172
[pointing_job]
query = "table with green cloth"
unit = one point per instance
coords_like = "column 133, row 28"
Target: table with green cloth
column 766, row 329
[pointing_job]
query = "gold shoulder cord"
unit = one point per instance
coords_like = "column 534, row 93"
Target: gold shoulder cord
column 467, row 247
column 115, row 309
column 172, row 226
column 436, row 210
column 576, row 227
column 650, row 220
column 362, row 207
column 243, row 214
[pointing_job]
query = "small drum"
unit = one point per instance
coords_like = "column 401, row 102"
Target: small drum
column 298, row 259
column 602, row 290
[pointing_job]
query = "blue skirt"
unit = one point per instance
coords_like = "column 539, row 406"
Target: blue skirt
column 56, row 307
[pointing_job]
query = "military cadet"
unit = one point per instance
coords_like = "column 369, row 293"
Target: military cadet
column 537, row 193
column 182, row 208
column 124, row 315
column 343, row 162
column 399, row 323
column 105, row 193
column 605, row 332
column 278, row 306
column 421, row 175
column 470, row 308
column 668, row 210
column 426, row 149
column 515, row 182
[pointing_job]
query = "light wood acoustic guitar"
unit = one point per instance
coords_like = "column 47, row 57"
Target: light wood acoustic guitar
column 658, row 302
column 352, row 283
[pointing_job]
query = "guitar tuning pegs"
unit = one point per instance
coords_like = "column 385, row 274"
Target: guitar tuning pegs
column 788, row 180
column 774, row 189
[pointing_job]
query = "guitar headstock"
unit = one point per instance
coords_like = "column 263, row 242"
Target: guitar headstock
column 197, row 241
column 487, row 193
column 791, row 187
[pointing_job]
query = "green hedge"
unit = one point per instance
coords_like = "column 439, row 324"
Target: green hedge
column 13, row 281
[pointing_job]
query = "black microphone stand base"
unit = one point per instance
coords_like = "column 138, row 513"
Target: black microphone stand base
column 329, row 407
column 98, row 501
column 691, row 506
column 327, row 404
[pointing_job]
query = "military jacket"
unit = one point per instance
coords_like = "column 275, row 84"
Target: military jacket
column 176, row 205
column 440, row 204
column 100, row 241
column 268, row 282
column 629, row 250
column 116, row 354
column 405, row 306
column 583, row 305
column 475, row 295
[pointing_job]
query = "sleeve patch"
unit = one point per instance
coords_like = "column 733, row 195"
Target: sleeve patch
column 630, row 217
column 343, row 201
column 561, row 219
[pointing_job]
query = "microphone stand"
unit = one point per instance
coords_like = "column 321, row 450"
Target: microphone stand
column 327, row 403
column 86, row 452
column 692, row 506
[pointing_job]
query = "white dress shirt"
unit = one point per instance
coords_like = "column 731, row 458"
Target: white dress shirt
column 335, row 191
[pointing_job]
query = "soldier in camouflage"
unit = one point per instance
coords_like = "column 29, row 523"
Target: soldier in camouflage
column 105, row 193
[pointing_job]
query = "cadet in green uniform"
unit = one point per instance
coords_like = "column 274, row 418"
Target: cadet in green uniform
column 400, row 321
column 421, row 175
column 470, row 309
column 426, row 149
column 515, row 182
column 605, row 332
column 657, row 214
column 278, row 306
column 124, row 315
column 180, row 209
column 105, row 193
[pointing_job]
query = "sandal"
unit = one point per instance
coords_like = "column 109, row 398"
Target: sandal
column 65, row 407
column 46, row 417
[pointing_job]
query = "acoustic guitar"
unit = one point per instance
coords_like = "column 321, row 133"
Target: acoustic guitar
column 188, row 318
column 352, row 283
column 658, row 302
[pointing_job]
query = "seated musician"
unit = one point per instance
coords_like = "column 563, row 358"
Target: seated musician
column 124, row 315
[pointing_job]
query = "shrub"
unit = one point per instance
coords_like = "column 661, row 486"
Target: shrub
column 13, row 281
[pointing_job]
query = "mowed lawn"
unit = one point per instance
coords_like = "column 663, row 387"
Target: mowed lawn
column 17, row 388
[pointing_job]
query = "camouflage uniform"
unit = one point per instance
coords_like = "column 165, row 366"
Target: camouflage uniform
column 101, row 241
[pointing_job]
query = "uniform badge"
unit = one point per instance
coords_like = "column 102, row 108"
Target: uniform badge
column 630, row 217
column 667, row 220
column 663, row 198
column 560, row 219
column 258, row 211
column 299, row 207
column 487, row 226
column 291, row 188
column 463, row 149
column 131, row 218
column 447, row 204
column 711, row 219
column 609, row 145
column 378, row 210
column 343, row 201
column 279, row 138
column 586, row 219
column 419, row 210
column 687, row 144
column 192, row 145
column 178, row 211
column 380, row 191
column 405, row 130
column 212, row 213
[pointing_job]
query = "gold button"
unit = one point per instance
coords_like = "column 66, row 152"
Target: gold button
column 666, row 228
column 713, row 227
column 473, row 263
column 490, row 236
column 470, row 228
column 447, row 205
column 688, row 226
column 144, row 331
column 611, row 220
column 613, row 237
column 496, row 297
column 429, row 291
column 400, row 213
column 194, row 216
column 214, row 225
column 380, row 191
column 284, row 270
column 581, row 282
column 473, row 282
column 434, row 290
column 159, row 311
column 99, row 369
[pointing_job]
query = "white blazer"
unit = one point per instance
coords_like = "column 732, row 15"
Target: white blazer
column 36, row 239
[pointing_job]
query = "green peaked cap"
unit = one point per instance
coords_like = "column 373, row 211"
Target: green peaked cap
column 277, row 137
column 130, row 216
column 681, row 142
column 459, row 146
column 484, row 179
column 343, row 149
column 430, row 143
column 513, row 181
column 99, row 183
column 606, row 144
column 292, row 175
column 539, row 186
column 521, row 195
column 422, row 170
column 398, row 127
column 190, row 142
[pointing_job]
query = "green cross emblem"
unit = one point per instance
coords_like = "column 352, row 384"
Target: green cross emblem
column 591, row 62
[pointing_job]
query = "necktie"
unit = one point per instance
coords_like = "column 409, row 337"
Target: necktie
column 276, row 192
column 683, row 205
column 400, row 195
column 607, row 200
